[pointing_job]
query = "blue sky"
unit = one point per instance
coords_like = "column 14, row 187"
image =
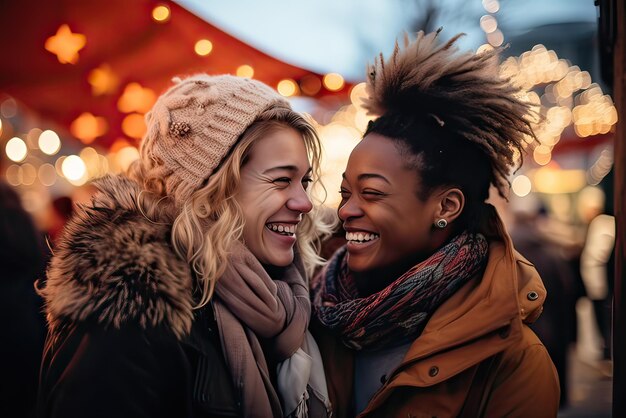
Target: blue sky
column 343, row 35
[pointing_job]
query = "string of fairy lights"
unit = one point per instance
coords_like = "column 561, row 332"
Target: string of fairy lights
column 566, row 101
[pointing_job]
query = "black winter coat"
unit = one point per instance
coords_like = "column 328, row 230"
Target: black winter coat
column 124, row 340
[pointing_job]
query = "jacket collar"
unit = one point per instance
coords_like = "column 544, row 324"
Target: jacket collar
column 114, row 265
column 481, row 319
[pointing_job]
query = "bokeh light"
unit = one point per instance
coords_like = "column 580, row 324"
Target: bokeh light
column 245, row 71
column 65, row 44
column 125, row 157
column 542, row 154
column 161, row 13
column 47, row 174
column 8, row 108
column 358, row 95
column 203, row 47
column 49, row 142
column 287, row 87
column 136, row 98
column 73, row 168
column 16, row 149
column 310, row 85
column 32, row 138
column 492, row 6
column 484, row 48
column 488, row 23
column 87, row 127
column 29, row 174
column 14, row 175
column 521, row 185
column 134, row 125
column 495, row 38
column 333, row 81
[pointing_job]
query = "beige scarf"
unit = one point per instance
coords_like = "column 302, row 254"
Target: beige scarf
column 250, row 305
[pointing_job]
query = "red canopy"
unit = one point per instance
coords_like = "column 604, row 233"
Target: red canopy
column 122, row 35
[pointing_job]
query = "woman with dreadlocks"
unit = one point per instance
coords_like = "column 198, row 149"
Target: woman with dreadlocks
column 424, row 312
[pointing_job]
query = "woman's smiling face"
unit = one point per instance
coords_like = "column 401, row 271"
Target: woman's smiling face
column 387, row 225
column 273, row 195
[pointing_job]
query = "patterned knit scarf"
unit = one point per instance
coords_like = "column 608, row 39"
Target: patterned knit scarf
column 402, row 309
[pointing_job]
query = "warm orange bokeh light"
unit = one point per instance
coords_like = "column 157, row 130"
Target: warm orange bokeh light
column 134, row 126
column 65, row 45
column 136, row 99
column 88, row 127
column 103, row 80
column 203, row 47
column 333, row 81
column 161, row 13
column 119, row 144
column 245, row 71
column 310, row 85
column 287, row 87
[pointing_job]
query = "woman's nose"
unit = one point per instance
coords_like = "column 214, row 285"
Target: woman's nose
column 349, row 209
column 300, row 201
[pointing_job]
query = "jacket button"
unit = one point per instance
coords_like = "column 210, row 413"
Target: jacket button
column 383, row 379
column 532, row 295
column 434, row 371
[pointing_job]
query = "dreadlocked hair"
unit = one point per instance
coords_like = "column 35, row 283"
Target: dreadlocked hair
column 456, row 121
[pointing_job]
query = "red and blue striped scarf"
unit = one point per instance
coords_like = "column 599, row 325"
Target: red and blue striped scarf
column 402, row 309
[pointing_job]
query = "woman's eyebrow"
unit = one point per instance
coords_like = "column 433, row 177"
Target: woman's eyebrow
column 286, row 167
column 366, row 176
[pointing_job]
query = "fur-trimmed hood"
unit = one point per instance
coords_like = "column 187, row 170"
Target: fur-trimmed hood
column 114, row 266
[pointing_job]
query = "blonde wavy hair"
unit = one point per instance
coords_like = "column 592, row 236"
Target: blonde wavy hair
column 210, row 220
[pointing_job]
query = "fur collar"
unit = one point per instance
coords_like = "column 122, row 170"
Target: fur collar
column 114, row 266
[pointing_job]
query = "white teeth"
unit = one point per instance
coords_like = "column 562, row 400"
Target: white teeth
column 360, row 236
column 282, row 229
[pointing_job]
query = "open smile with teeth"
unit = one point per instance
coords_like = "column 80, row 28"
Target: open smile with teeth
column 282, row 229
column 361, row 237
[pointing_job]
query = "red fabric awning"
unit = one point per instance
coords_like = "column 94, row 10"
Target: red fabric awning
column 123, row 35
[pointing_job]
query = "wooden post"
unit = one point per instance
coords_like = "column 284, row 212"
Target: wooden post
column 619, row 302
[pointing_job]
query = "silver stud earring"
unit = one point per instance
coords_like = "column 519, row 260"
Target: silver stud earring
column 441, row 223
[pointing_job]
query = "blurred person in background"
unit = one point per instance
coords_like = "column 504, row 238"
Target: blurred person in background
column 425, row 311
column 554, row 327
column 595, row 264
column 597, row 268
column 22, row 255
column 181, row 290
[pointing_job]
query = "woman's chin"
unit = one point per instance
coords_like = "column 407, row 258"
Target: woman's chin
column 281, row 260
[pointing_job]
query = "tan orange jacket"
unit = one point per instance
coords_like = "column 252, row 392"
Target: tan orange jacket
column 487, row 317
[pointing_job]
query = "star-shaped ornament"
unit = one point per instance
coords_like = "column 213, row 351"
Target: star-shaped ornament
column 136, row 99
column 65, row 45
column 103, row 80
column 88, row 127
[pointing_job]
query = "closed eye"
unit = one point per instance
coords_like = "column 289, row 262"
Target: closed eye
column 282, row 180
column 372, row 193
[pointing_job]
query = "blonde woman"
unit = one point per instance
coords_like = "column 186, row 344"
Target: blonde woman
column 181, row 290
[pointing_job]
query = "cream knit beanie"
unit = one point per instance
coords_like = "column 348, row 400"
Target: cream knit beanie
column 193, row 126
